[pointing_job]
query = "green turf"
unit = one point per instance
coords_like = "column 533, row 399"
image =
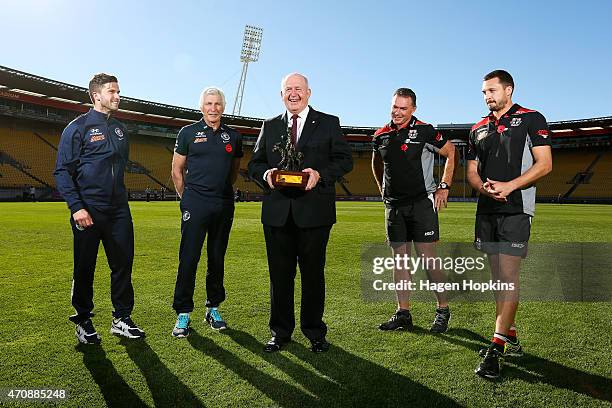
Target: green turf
column 568, row 344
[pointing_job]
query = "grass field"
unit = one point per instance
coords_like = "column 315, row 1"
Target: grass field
column 568, row 346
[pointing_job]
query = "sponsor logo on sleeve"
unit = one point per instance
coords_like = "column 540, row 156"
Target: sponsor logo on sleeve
column 481, row 134
column 543, row 133
column 186, row 215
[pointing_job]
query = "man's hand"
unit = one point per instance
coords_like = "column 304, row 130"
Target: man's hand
column 313, row 178
column 441, row 198
column 82, row 219
column 269, row 177
column 500, row 189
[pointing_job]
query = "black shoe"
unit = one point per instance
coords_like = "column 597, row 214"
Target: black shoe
column 126, row 327
column 319, row 346
column 275, row 344
column 401, row 320
column 86, row 333
column 510, row 350
column 491, row 365
column 440, row 323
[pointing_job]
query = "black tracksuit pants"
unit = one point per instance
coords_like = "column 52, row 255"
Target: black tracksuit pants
column 288, row 246
column 201, row 217
column 113, row 226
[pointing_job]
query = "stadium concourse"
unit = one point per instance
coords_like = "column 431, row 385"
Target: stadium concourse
column 34, row 110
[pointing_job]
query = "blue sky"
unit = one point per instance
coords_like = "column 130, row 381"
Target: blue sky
column 354, row 53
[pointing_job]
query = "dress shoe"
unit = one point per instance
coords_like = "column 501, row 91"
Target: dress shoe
column 275, row 344
column 320, row 346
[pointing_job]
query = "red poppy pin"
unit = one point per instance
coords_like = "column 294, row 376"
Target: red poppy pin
column 404, row 147
column 228, row 148
column 501, row 129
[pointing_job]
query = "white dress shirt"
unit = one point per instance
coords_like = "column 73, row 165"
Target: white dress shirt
column 301, row 120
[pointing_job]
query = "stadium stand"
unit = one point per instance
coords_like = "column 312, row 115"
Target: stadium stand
column 34, row 110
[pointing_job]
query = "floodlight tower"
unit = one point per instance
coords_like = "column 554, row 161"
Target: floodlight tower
column 250, row 53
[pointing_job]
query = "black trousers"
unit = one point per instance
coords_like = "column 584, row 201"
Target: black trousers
column 202, row 217
column 112, row 226
column 288, row 246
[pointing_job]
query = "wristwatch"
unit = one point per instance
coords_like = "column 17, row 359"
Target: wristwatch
column 443, row 186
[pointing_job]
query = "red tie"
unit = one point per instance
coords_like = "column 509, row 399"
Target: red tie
column 294, row 129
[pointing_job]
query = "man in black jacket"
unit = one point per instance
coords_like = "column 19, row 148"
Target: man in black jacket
column 297, row 222
column 91, row 159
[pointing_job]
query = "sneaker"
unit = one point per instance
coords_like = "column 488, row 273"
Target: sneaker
column 491, row 365
column 86, row 333
column 127, row 328
column 401, row 320
column 440, row 323
column 181, row 328
column 513, row 349
column 214, row 319
column 510, row 350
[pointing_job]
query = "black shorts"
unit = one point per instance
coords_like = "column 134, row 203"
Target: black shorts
column 416, row 222
column 502, row 233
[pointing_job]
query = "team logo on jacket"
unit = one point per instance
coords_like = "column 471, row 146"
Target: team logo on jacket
column 515, row 122
column 186, row 215
column 225, row 137
column 412, row 134
column 119, row 133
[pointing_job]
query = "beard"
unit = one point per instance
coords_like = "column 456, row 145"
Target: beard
column 497, row 105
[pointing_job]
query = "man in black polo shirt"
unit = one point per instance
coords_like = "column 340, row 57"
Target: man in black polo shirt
column 402, row 163
column 204, row 167
column 509, row 150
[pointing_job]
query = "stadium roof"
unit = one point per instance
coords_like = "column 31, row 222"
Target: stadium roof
column 44, row 88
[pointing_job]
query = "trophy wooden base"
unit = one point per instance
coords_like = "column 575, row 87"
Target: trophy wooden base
column 295, row 179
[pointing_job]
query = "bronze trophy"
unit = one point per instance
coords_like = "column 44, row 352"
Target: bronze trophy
column 290, row 166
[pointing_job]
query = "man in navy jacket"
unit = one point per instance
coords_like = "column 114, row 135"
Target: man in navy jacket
column 91, row 159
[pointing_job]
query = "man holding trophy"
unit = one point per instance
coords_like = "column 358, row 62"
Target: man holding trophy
column 299, row 156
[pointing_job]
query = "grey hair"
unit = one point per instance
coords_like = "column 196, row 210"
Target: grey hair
column 212, row 90
column 286, row 77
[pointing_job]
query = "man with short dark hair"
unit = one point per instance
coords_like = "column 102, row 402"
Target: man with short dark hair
column 509, row 150
column 205, row 164
column 91, row 159
column 402, row 164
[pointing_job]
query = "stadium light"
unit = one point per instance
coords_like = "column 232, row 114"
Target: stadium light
column 251, row 45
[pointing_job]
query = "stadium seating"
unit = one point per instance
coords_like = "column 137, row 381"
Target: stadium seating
column 28, row 153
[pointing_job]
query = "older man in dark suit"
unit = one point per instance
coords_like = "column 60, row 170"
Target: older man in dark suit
column 297, row 222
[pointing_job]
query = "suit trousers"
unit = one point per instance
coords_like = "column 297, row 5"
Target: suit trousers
column 113, row 226
column 287, row 247
column 202, row 217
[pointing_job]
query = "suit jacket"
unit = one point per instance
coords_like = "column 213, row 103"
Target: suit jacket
column 325, row 150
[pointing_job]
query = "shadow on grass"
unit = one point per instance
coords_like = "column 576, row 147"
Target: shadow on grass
column 283, row 394
column 342, row 378
column 116, row 392
column 534, row 369
column 166, row 388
